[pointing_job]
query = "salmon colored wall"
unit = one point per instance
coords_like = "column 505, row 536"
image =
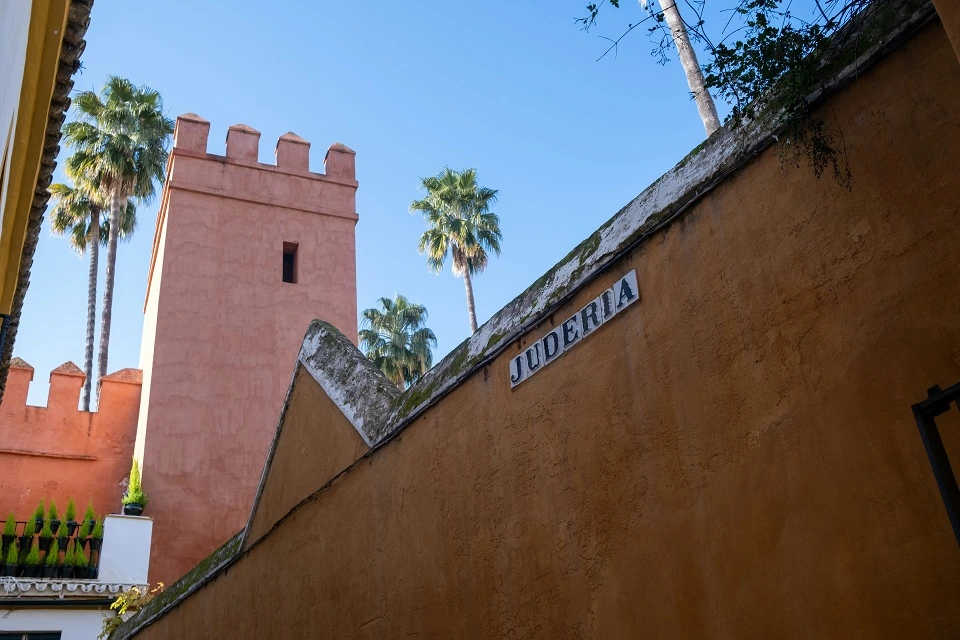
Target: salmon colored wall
column 733, row 456
column 224, row 330
column 57, row 451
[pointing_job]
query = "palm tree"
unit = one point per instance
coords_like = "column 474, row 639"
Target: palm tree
column 690, row 64
column 461, row 224
column 120, row 140
column 395, row 338
column 77, row 214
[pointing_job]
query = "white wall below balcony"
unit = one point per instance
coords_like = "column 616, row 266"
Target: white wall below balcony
column 73, row 624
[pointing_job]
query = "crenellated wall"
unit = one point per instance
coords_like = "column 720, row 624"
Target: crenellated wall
column 58, row 451
column 222, row 327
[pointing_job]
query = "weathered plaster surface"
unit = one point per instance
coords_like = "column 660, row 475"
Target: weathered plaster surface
column 732, row 455
column 349, row 378
column 222, row 329
column 58, row 451
column 702, row 170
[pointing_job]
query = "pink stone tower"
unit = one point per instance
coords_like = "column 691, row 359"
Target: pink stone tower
column 245, row 255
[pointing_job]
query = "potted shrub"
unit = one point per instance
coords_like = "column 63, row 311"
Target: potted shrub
column 62, row 539
column 38, row 515
column 50, row 563
column 9, row 534
column 89, row 516
column 96, row 537
column 53, row 518
column 10, row 560
column 46, row 536
column 32, row 562
column 71, row 516
column 83, row 533
column 81, row 568
column 135, row 500
column 66, row 571
column 26, row 539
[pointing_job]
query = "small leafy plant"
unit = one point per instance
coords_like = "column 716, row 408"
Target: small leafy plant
column 30, row 528
column 45, row 532
column 52, row 556
column 71, row 510
column 39, row 512
column 135, row 493
column 52, row 512
column 98, row 530
column 10, row 528
column 132, row 599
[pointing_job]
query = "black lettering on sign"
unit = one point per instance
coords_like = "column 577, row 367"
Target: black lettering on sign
column 626, row 290
column 608, row 304
column 516, row 370
column 591, row 317
column 533, row 361
column 571, row 332
column 552, row 346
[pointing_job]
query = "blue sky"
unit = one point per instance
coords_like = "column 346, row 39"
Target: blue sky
column 511, row 88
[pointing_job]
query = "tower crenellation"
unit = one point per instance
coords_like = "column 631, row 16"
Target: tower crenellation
column 248, row 254
column 242, row 146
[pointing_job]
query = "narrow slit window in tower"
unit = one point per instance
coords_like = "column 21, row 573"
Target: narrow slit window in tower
column 290, row 262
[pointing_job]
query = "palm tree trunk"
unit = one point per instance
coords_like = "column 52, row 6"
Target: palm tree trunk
column 471, row 309
column 115, row 205
column 691, row 67
column 93, row 246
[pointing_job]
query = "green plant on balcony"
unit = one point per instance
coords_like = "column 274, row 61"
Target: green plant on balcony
column 96, row 538
column 68, row 559
column 46, row 536
column 10, row 561
column 38, row 514
column 31, row 564
column 135, row 500
column 53, row 517
column 50, row 563
column 71, row 516
column 89, row 516
column 26, row 539
column 81, row 563
column 9, row 534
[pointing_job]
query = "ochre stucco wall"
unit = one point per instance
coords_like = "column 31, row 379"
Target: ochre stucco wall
column 733, row 456
column 57, row 451
column 320, row 443
column 222, row 330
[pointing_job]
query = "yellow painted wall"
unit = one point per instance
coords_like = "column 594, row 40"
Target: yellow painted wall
column 30, row 38
column 731, row 457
